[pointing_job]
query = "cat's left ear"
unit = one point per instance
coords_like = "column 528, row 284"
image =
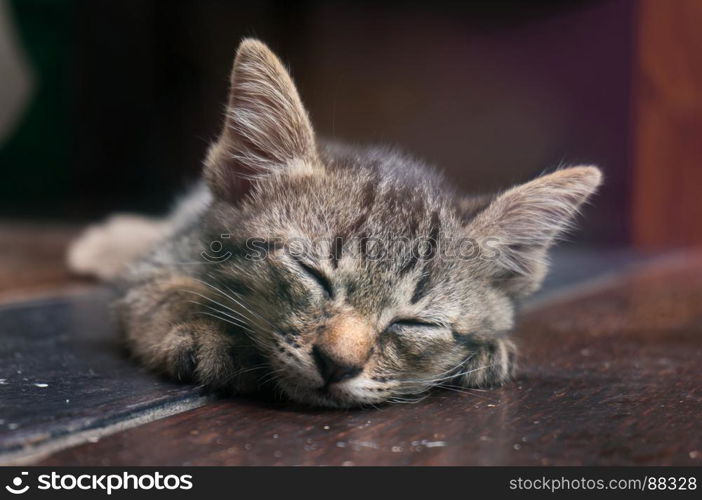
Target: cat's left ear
column 266, row 128
column 517, row 228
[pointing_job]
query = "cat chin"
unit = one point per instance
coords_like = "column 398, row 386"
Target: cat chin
column 331, row 398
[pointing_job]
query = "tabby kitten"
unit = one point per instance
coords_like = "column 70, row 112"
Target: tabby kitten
column 340, row 276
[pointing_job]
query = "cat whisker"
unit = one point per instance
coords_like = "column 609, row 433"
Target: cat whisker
column 261, row 366
column 448, row 374
column 239, row 315
column 251, row 335
column 445, row 375
column 233, row 311
column 408, row 400
column 233, row 319
column 237, row 302
column 240, row 302
column 270, row 376
column 466, row 390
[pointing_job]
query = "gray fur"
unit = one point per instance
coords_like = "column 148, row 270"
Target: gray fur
column 253, row 277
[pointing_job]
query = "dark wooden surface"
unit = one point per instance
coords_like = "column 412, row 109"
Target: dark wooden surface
column 611, row 377
column 32, row 260
column 63, row 371
column 64, row 376
column 667, row 124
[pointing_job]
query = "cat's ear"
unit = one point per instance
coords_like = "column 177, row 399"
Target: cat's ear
column 517, row 228
column 266, row 129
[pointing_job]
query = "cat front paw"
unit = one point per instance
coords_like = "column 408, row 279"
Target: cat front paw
column 492, row 364
column 179, row 353
column 201, row 352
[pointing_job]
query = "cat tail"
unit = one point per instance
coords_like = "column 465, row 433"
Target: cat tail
column 104, row 250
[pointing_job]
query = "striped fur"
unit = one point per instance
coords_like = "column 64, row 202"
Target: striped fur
column 295, row 255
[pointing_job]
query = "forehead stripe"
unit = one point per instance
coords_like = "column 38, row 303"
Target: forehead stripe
column 422, row 286
column 367, row 200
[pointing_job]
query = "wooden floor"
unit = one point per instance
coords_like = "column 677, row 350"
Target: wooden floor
column 610, row 374
column 31, row 260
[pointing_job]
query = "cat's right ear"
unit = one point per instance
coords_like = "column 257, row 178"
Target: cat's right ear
column 266, row 129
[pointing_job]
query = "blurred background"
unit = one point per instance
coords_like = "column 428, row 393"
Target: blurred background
column 109, row 106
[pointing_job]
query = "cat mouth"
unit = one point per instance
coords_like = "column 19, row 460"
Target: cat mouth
column 329, row 396
column 327, row 391
column 336, row 395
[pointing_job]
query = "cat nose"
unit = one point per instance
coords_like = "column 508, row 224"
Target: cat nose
column 332, row 370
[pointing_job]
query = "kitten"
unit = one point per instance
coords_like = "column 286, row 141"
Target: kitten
column 339, row 276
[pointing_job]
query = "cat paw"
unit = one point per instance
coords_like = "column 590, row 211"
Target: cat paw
column 492, row 364
column 178, row 354
column 201, row 352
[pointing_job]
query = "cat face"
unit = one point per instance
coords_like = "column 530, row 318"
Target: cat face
column 362, row 296
column 358, row 274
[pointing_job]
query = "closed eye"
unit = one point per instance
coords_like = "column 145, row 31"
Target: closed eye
column 316, row 275
column 413, row 323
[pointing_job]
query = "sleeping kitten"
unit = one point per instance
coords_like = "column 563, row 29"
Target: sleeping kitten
column 340, row 276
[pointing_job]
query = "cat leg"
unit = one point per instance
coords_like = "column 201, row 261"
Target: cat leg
column 104, row 250
column 492, row 363
column 168, row 327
